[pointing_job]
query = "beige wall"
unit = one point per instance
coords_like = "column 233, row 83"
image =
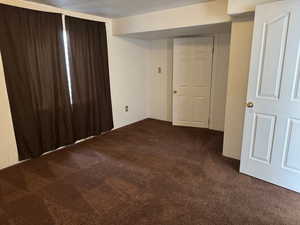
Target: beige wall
column 128, row 69
column 219, row 81
column 240, row 53
column 206, row 13
column 244, row 6
column 128, row 64
column 159, row 85
column 8, row 146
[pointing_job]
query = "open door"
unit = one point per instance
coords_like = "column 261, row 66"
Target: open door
column 271, row 141
column 192, row 70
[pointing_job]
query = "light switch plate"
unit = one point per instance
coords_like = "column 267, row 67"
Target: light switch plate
column 159, row 69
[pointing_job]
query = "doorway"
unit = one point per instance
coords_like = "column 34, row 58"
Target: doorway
column 192, row 76
column 160, row 80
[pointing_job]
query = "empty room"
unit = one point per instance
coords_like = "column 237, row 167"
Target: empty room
column 162, row 112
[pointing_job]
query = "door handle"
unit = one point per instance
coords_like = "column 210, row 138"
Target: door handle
column 175, row 92
column 250, row 104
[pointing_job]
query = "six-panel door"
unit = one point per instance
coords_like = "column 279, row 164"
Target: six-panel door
column 271, row 141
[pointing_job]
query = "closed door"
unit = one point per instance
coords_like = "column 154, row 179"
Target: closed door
column 192, row 70
column 271, row 142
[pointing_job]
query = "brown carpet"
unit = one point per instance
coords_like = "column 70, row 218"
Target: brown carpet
column 149, row 173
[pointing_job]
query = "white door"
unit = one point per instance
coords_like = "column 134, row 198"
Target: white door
column 271, row 143
column 192, row 68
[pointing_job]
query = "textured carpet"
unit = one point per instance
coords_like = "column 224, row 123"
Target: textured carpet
column 149, row 173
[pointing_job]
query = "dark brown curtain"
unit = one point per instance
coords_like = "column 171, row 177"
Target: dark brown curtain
column 92, row 110
column 31, row 45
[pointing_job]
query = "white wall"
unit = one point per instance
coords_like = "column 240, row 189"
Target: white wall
column 240, row 52
column 244, row 6
column 211, row 12
column 128, row 69
column 159, row 86
column 128, row 64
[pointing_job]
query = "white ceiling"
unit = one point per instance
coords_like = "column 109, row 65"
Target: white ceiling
column 118, row 8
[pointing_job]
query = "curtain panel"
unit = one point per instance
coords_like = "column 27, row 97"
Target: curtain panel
column 31, row 44
column 89, row 72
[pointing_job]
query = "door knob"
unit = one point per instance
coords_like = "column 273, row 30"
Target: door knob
column 250, row 105
column 175, row 92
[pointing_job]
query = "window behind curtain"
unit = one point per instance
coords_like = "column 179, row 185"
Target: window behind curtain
column 31, row 44
column 91, row 97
